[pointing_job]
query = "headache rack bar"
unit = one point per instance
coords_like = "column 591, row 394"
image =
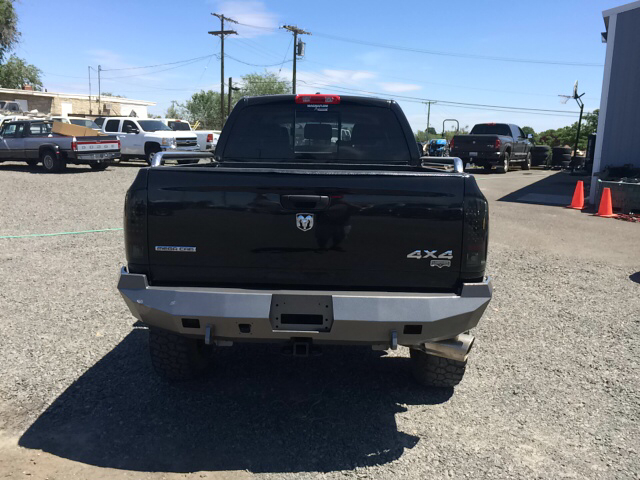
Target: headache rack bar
column 445, row 163
column 160, row 157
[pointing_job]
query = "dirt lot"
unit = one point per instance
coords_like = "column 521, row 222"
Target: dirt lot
column 552, row 389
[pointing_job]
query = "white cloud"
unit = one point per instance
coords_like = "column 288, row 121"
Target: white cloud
column 398, row 87
column 119, row 74
column 322, row 79
column 344, row 77
column 374, row 58
column 108, row 59
column 250, row 13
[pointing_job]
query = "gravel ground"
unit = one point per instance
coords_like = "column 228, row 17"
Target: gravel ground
column 551, row 390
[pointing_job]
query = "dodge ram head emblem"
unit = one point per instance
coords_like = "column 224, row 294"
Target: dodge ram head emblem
column 304, row 221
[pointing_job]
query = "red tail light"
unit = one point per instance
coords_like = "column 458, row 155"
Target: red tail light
column 475, row 232
column 210, row 137
column 451, row 145
column 74, row 144
column 118, row 144
column 318, row 98
column 497, row 144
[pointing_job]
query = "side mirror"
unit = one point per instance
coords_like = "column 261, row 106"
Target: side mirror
column 130, row 129
column 530, row 136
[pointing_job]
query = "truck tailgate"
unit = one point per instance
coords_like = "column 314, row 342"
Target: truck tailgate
column 475, row 143
column 304, row 228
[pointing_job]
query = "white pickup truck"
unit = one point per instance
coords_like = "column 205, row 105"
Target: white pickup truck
column 207, row 139
column 142, row 138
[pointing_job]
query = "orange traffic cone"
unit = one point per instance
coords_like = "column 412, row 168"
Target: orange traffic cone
column 578, row 196
column 606, row 208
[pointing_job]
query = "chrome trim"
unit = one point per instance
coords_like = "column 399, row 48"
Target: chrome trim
column 159, row 158
column 458, row 165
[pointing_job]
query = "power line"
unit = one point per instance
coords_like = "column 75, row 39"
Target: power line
column 257, row 64
column 423, row 82
column 454, row 54
column 58, row 75
column 154, row 87
column 441, row 53
column 271, row 29
column 478, row 106
column 254, row 47
column 185, row 62
column 455, row 103
column 153, row 66
column 285, row 55
column 165, row 69
column 205, row 69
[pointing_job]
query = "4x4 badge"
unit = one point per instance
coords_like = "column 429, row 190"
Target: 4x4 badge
column 304, row 221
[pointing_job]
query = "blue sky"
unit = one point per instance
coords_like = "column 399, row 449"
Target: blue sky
column 64, row 37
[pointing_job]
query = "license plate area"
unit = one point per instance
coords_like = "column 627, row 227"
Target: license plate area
column 95, row 156
column 301, row 313
column 473, row 154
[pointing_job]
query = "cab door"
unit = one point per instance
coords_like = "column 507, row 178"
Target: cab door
column 519, row 141
column 112, row 127
column 135, row 138
column 12, row 142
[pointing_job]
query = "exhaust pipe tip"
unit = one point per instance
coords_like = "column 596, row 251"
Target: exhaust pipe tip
column 456, row 348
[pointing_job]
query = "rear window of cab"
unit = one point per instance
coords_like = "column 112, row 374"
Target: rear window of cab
column 317, row 133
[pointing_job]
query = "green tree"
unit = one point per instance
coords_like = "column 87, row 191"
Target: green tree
column 567, row 135
column 9, row 33
column 529, row 130
column 175, row 110
column 204, row 107
column 267, row 83
column 109, row 94
column 421, row 135
column 16, row 73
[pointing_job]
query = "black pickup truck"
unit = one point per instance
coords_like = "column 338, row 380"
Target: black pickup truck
column 32, row 141
column 299, row 235
column 497, row 145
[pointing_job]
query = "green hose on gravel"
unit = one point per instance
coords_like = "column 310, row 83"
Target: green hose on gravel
column 61, row 233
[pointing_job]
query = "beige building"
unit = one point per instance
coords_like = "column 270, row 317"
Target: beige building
column 73, row 104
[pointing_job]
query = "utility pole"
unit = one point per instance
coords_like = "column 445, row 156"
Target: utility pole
column 296, row 31
column 99, row 92
column 429, row 116
column 231, row 89
column 229, row 101
column 221, row 33
column 579, row 102
column 89, row 69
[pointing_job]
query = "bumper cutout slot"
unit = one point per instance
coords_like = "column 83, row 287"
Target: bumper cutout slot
column 301, row 319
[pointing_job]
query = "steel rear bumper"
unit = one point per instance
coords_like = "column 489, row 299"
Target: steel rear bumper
column 349, row 317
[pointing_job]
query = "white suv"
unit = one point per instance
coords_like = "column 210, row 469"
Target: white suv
column 142, row 138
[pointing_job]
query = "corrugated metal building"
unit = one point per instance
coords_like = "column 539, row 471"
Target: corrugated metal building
column 75, row 104
column 619, row 122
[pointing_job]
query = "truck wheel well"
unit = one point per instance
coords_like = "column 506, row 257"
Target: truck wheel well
column 151, row 146
column 45, row 148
